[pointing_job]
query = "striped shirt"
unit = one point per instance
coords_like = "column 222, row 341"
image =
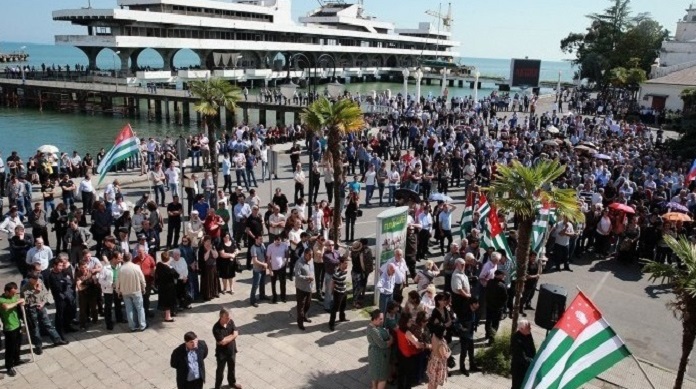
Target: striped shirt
column 339, row 278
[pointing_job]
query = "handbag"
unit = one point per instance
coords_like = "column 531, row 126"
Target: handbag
column 451, row 363
column 359, row 213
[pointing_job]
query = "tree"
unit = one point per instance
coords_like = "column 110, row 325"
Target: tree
column 613, row 38
column 213, row 94
column 685, row 125
column 683, row 282
column 527, row 187
column 340, row 118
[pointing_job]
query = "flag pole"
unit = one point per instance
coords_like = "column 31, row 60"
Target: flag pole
column 624, row 344
column 26, row 327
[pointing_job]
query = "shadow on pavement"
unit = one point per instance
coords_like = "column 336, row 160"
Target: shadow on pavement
column 338, row 379
column 620, row 271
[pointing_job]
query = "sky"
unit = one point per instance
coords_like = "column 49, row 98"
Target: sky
column 485, row 29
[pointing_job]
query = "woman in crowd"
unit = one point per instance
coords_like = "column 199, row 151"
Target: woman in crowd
column 380, row 343
column 351, row 215
column 408, row 347
column 207, row 263
column 437, row 365
column 165, row 279
column 189, row 255
column 227, row 263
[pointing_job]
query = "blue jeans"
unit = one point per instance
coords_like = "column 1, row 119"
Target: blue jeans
column 265, row 170
column 384, row 299
column 369, row 190
column 135, row 311
column 328, row 295
column 159, row 191
column 250, row 176
column 67, row 200
column 392, row 191
column 174, row 188
column 49, row 203
column 258, row 282
column 195, row 158
column 241, row 176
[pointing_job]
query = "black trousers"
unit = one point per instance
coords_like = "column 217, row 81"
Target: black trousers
column 13, row 343
column 65, row 313
column 278, row 275
column 112, row 303
column 339, row 305
column 466, row 340
column 319, row 276
column 329, row 191
column 299, row 189
column 406, row 372
column 446, row 234
column 41, row 232
column 222, row 361
column 304, row 302
column 423, row 241
column 173, row 231
column 87, row 202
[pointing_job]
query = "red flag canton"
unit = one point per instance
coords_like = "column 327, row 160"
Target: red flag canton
column 494, row 222
column 126, row 132
column 580, row 315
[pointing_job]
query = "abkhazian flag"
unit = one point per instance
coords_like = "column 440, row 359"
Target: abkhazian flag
column 483, row 209
column 467, row 221
column 580, row 347
column 541, row 225
column 494, row 235
column 125, row 145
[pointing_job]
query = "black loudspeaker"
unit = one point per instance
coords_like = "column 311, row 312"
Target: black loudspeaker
column 550, row 305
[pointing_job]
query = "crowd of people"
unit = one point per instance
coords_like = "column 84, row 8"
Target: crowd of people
column 427, row 146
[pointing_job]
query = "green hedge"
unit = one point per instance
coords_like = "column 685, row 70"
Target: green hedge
column 496, row 359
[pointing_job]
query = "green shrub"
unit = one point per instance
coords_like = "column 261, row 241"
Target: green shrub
column 496, row 358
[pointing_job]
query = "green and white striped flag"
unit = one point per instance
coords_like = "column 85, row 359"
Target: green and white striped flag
column 580, row 347
column 126, row 144
column 483, row 209
column 467, row 221
column 541, row 225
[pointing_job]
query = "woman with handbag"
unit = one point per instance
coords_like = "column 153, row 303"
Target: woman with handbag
column 227, row 263
column 408, row 348
column 437, row 366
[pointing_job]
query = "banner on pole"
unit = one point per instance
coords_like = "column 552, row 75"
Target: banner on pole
column 391, row 235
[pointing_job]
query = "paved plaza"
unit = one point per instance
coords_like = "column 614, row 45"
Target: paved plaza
column 274, row 353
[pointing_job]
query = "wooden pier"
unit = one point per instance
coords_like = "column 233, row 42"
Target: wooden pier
column 172, row 106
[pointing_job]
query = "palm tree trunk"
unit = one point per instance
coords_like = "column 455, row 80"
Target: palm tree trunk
column 524, row 234
column 334, row 148
column 212, row 144
column 688, row 336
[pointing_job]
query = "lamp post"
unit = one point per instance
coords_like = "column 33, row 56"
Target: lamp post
column 558, row 88
column 419, row 76
column 405, row 73
column 476, row 78
column 115, row 73
column 443, row 71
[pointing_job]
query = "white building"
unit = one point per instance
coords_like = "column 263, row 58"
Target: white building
column 663, row 92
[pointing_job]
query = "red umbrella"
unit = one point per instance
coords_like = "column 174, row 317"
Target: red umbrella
column 622, row 207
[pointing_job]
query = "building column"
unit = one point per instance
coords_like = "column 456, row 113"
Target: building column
column 245, row 115
column 124, row 55
column 204, row 56
column 91, row 53
column 262, row 117
column 167, row 58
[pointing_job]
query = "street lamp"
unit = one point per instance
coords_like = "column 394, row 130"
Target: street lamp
column 476, row 75
column 405, row 73
column 419, row 76
column 443, row 71
column 115, row 74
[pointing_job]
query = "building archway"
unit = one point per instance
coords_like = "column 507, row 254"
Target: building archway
column 392, row 62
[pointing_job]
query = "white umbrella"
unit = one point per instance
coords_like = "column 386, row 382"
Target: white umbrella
column 48, row 149
column 552, row 129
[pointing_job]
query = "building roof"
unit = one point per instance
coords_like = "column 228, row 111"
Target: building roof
column 686, row 77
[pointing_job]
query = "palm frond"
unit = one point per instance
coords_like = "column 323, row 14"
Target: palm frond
column 683, row 280
column 213, row 94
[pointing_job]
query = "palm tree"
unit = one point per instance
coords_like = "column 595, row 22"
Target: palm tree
column 527, row 187
column 683, row 282
column 213, row 94
column 340, row 118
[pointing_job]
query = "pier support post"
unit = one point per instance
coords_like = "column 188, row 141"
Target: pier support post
column 280, row 117
column 296, row 118
column 451, row 83
column 186, row 112
column 166, row 110
column 262, row 117
column 460, row 83
column 158, row 110
column 428, row 81
column 245, row 115
column 229, row 118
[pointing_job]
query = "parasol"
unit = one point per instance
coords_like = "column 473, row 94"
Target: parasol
column 586, row 148
column 440, row 197
column 552, row 129
column 407, row 194
column 622, row 208
column 676, row 217
column 549, row 142
column 48, row 149
column 602, row 156
column 676, row 207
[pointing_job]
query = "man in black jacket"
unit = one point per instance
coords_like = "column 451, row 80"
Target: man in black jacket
column 189, row 361
column 496, row 298
column 523, row 352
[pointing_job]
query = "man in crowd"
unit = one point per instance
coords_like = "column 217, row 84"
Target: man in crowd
column 130, row 285
column 338, row 288
column 35, row 296
column 276, row 257
column 225, row 333
column 10, row 303
column 189, row 361
column 523, row 351
column 304, row 279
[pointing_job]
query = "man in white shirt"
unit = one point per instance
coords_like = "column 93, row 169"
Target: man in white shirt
column 400, row 272
column 87, row 193
column 110, row 194
column 276, row 257
column 239, row 161
column 226, row 170
column 563, row 233
column 173, row 174
column 179, row 264
column 370, row 182
column 385, row 285
column 276, row 224
column 445, row 223
column 40, row 254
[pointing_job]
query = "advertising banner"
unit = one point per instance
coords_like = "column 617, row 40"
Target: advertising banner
column 391, row 235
